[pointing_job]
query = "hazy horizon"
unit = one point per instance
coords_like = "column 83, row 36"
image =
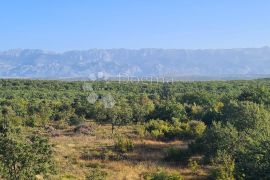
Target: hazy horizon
column 123, row 48
column 35, row 63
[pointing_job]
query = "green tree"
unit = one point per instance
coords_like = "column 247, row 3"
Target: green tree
column 224, row 167
column 170, row 110
column 119, row 115
column 22, row 157
column 244, row 135
column 142, row 108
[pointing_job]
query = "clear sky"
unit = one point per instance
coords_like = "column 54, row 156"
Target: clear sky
column 83, row 24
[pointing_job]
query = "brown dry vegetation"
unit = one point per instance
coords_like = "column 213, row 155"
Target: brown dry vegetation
column 75, row 154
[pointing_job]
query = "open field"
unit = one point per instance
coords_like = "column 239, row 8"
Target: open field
column 148, row 155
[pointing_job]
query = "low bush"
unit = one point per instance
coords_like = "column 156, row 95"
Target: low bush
column 193, row 166
column 195, row 129
column 140, row 130
column 75, row 120
column 32, row 121
column 157, row 128
column 123, row 144
column 177, row 155
column 224, row 167
column 163, row 130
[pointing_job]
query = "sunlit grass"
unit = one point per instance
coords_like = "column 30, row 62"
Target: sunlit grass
column 147, row 156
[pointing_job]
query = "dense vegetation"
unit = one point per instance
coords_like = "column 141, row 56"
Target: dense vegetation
column 227, row 123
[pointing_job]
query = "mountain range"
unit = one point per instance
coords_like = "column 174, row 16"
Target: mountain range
column 213, row 63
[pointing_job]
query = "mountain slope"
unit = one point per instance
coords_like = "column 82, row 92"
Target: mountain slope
column 141, row 62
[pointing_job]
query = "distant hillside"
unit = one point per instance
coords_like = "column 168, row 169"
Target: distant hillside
column 249, row 62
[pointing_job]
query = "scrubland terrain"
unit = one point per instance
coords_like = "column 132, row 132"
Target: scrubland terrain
column 98, row 130
column 77, row 154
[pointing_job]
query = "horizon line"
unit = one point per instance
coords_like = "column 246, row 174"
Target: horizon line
column 135, row 49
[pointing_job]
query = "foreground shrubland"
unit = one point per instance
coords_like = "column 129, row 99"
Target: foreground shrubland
column 107, row 130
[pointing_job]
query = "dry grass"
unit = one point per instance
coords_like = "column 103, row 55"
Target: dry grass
column 148, row 155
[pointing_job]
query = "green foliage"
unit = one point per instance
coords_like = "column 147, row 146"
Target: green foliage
column 123, row 144
column 177, row 155
column 254, row 161
column 195, row 111
column 162, row 175
column 23, row 157
column 118, row 115
column 229, row 116
column 75, row 120
column 224, row 167
column 142, row 107
column 259, row 95
column 160, row 129
column 246, row 115
column 157, row 128
column 193, row 166
column 244, row 137
column 140, row 130
column 219, row 137
column 212, row 113
column 195, row 129
column 199, row 98
column 170, row 110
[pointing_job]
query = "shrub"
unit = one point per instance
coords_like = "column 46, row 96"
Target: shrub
column 160, row 129
column 254, row 161
column 177, row 155
column 223, row 167
column 140, row 130
column 33, row 121
column 193, row 166
column 157, row 128
column 97, row 174
column 123, row 144
column 161, row 175
column 30, row 122
column 219, row 137
column 75, row 120
column 174, row 132
column 24, row 157
column 196, row 129
column 163, row 130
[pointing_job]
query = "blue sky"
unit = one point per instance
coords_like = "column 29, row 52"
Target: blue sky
column 83, row 24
